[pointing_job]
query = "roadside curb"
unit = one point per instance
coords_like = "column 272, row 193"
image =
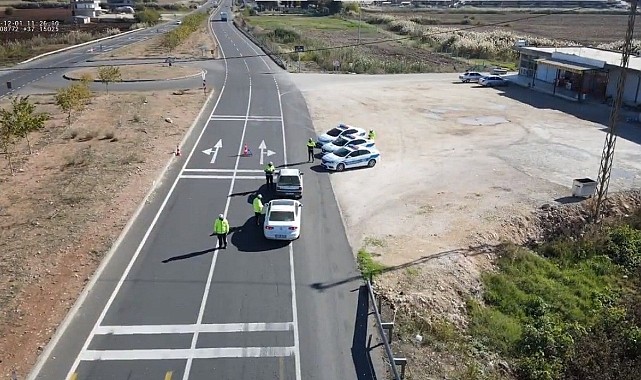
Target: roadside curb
column 67, row 77
column 79, row 45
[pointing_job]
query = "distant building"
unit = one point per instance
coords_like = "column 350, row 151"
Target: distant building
column 89, row 8
column 535, row 3
column 113, row 4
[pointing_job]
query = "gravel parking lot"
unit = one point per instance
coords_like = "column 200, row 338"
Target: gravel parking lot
column 457, row 159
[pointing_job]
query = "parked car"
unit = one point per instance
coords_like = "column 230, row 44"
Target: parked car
column 282, row 219
column 493, row 81
column 335, row 133
column 346, row 140
column 470, row 76
column 499, row 71
column 289, row 182
column 351, row 157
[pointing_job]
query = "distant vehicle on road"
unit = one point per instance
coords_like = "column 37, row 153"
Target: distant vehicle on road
column 289, row 182
column 282, row 219
column 335, row 133
column 223, row 16
column 493, row 81
column 351, row 157
column 178, row 22
column 470, row 76
column 346, row 140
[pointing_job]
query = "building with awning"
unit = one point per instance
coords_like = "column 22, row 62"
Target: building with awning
column 579, row 72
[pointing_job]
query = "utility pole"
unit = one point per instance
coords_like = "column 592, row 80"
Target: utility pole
column 607, row 157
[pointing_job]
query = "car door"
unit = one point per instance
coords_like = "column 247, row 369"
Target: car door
column 352, row 159
column 363, row 157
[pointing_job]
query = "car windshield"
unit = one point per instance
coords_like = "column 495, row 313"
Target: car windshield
column 281, row 216
column 342, row 152
column 290, row 180
column 335, row 132
column 341, row 141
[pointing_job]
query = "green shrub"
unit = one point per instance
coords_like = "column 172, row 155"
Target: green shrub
column 624, row 247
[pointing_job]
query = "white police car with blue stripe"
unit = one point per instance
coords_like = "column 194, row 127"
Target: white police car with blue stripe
column 341, row 130
column 351, row 157
column 346, row 140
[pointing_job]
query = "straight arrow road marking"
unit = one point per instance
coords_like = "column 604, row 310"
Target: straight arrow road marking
column 262, row 148
column 190, row 329
column 215, row 149
column 168, row 375
column 196, row 353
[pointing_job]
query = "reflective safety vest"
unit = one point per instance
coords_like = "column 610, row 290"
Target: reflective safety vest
column 221, row 226
column 270, row 169
column 311, row 144
column 372, row 135
column 258, row 205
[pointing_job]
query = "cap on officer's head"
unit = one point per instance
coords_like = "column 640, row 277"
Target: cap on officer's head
column 220, row 216
column 271, row 163
column 260, row 196
column 310, row 139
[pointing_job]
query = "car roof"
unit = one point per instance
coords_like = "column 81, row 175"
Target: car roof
column 283, row 202
column 289, row 172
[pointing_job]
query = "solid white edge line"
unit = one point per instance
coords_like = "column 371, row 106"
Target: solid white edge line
column 291, row 246
column 190, row 329
column 74, row 367
column 191, row 176
column 203, row 304
column 178, row 354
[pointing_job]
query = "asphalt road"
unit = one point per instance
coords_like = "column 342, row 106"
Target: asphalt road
column 168, row 304
column 23, row 75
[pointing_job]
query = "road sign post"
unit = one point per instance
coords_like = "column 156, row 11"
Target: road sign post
column 9, row 85
column 299, row 49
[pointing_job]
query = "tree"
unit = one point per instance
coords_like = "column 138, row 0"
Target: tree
column 171, row 40
column 148, row 16
column 72, row 98
column 17, row 122
column 109, row 74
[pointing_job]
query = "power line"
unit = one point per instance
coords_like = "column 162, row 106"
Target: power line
column 337, row 47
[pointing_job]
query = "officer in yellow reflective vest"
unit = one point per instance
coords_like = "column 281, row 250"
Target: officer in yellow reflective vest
column 221, row 229
column 269, row 174
column 371, row 135
column 258, row 208
column 310, row 150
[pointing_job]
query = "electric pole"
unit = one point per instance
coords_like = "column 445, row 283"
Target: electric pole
column 607, row 157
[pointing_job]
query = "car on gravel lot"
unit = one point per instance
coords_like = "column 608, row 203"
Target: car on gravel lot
column 493, row 81
column 346, row 140
column 351, row 157
column 335, row 133
column 470, row 76
column 282, row 219
column 289, row 182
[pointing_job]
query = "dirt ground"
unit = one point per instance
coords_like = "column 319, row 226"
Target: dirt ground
column 142, row 72
column 459, row 164
column 69, row 200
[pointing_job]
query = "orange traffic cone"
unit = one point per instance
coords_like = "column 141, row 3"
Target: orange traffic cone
column 246, row 151
column 177, row 150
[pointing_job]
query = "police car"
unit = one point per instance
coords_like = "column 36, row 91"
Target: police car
column 335, row 133
column 346, row 140
column 351, row 157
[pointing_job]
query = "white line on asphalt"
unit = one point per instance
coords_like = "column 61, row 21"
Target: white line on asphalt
column 242, row 117
column 111, row 299
column 224, row 170
column 291, row 246
column 192, row 176
column 190, row 329
column 203, row 304
column 198, row 353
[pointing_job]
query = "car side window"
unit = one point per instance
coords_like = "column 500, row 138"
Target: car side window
column 350, row 131
column 362, row 152
column 352, row 154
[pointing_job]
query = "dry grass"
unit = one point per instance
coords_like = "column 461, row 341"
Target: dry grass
column 138, row 72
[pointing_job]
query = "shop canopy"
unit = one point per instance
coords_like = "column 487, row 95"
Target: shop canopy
column 567, row 66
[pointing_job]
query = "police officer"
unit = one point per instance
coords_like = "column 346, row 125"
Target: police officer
column 310, row 150
column 371, row 135
column 221, row 229
column 258, row 208
column 269, row 174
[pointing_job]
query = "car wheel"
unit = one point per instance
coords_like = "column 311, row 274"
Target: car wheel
column 371, row 163
column 340, row 167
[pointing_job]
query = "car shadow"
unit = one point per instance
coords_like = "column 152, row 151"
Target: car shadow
column 189, row 255
column 319, row 169
column 360, row 346
column 293, row 164
column 569, row 199
column 249, row 238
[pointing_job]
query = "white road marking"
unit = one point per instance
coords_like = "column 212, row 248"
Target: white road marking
column 291, row 246
column 197, row 353
column 190, row 329
column 224, row 170
column 191, row 176
column 242, row 117
column 203, row 304
column 121, row 280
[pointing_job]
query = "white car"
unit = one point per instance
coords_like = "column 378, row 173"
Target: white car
column 493, row 81
column 351, row 157
column 282, row 219
column 289, row 182
column 470, row 76
column 341, row 130
column 346, row 140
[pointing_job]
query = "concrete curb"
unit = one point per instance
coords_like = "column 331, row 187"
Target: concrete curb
column 79, row 45
column 65, row 76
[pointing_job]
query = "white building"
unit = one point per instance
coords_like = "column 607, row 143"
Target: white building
column 89, row 8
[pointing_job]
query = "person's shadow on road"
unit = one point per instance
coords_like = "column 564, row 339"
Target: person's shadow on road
column 189, row 255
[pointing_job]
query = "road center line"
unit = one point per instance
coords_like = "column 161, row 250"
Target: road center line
column 203, row 304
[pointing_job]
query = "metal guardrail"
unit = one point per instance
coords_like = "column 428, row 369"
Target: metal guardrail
column 387, row 337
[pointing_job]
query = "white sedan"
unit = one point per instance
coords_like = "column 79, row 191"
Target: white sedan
column 335, row 133
column 470, row 76
column 351, row 157
column 282, row 219
column 346, row 140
